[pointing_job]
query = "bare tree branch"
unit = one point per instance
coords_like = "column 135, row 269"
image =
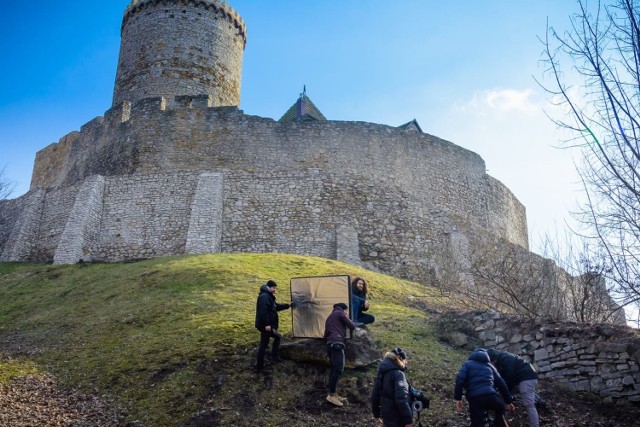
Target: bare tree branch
column 602, row 50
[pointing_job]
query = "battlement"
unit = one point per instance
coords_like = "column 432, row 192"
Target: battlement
column 217, row 6
column 206, row 57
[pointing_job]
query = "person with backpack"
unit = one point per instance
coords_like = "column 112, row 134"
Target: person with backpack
column 520, row 376
column 335, row 333
column 391, row 394
column 485, row 390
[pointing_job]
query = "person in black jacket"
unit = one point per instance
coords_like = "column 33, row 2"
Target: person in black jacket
column 480, row 379
column 520, row 376
column 390, row 397
column 267, row 322
column 335, row 333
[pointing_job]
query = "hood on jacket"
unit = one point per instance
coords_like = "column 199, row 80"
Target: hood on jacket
column 390, row 362
column 493, row 353
column 265, row 289
column 480, row 355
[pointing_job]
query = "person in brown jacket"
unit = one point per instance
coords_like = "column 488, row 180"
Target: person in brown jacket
column 335, row 333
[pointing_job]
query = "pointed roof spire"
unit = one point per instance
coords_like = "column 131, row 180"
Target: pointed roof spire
column 303, row 109
column 411, row 126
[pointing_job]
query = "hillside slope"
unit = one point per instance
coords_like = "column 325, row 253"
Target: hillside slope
column 170, row 342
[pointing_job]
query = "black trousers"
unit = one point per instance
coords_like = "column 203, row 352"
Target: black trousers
column 487, row 402
column 264, row 343
column 335, row 351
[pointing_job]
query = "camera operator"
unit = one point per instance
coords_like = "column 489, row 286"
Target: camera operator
column 391, row 398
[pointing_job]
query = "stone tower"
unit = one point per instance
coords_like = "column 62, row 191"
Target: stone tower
column 180, row 47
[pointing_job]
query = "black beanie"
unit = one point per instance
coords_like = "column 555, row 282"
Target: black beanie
column 341, row 305
column 272, row 284
column 400, row 353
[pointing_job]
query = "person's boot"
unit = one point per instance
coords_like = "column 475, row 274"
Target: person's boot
column 341, row 399
column 333, row 399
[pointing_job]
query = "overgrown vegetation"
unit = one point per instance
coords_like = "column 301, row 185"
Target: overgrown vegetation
column 172, row 341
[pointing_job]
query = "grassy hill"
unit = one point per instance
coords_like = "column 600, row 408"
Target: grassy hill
column 172, row 342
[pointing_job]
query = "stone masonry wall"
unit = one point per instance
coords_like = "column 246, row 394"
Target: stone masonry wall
column 286, row 187
column 602, row 359
column 22, row 237
column 145, row 216
column 205, row 221
column 180, row 48
column 78, row 240
column 186, row 138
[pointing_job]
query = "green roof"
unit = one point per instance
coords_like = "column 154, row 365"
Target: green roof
column 303, row 110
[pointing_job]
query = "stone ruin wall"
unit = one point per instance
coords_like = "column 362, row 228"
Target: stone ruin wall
column 601, row 359
column 306, row 188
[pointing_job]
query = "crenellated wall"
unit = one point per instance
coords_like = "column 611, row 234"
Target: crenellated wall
column 180, row 48
column 285, row 187
column 602, row 359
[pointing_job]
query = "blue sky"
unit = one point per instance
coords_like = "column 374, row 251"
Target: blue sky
column 465, row 70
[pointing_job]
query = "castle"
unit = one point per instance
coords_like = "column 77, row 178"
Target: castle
column 175, row 167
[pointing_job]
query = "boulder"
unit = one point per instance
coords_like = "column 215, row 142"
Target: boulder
column 360, row 350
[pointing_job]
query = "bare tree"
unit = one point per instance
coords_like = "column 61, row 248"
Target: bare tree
column 602, row 52
column 496, row 274
column 586, row 294
column 511, row 279
column 6, row 185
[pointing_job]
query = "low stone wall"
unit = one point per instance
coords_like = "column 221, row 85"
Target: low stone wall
column 603, row 359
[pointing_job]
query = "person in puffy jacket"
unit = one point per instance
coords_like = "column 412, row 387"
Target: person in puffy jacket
column 390, row 397
column 484, row 388
column 267, row 322
column 520, row 376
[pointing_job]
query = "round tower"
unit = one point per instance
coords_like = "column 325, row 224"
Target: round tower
column 180, row 47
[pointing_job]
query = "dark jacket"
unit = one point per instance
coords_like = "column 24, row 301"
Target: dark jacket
column 267, row 309
column 479, row 378
column 513, row 369
column 390, row 398
column 334, row 326
column 361, row 297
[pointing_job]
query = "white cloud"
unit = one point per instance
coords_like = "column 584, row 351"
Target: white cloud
column 494, row 101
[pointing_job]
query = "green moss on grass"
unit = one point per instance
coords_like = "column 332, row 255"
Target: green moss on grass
column 168, row 336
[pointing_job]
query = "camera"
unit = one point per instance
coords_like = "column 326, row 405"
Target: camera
column 418, row 400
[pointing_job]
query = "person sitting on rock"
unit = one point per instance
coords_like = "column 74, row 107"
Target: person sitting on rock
column 360, row 303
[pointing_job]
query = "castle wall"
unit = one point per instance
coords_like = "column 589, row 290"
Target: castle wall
column 56, row 208
column 78, row 239
column 301, row 187
column 9, row 214
column 180, row 48
column 145, row 216
column 23, row 236
column 286, row 212
column 205, row 219
column 505, row 212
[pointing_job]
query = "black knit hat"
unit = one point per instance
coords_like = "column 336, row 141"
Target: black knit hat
column 341, row 305
column 400, row 353
column 272, row 284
